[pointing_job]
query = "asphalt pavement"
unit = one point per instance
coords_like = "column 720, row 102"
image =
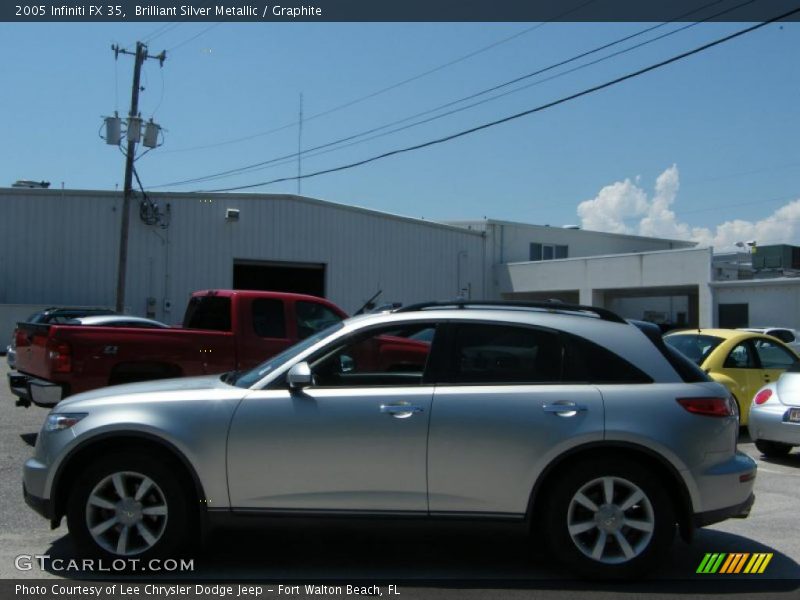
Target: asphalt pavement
column 423, row 564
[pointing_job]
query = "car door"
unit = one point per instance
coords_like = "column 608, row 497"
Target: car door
column 500, row 414
column 355, row 440
column 742, row 367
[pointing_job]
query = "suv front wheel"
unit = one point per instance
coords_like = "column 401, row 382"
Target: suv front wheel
column 609, row 519
column 128, row 506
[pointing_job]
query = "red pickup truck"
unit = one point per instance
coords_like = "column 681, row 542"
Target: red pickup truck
column 223, row 330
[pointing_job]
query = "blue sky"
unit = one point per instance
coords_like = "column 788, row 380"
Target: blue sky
column 719, row 130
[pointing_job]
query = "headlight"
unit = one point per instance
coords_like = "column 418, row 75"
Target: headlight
column 59, row 421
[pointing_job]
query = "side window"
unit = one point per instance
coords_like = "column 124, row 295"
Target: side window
column 587, row 362
column 268, row 318
column 395, row 356
column 208, row 312
column 741, row 357
column 505, row 354
column 783, row 335
column 313, row 317
column 773, row 356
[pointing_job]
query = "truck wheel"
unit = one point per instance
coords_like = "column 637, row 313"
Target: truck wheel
column 126, row 506
column 609, row 519
column 773, row 449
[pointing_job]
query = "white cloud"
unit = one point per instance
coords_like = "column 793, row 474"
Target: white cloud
column 624, row 207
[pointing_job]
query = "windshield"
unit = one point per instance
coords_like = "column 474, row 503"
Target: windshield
column 695, row 347
column 250, row 377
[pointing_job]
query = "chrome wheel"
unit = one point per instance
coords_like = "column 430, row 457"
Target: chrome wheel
column 126, row 513
column 610, row 520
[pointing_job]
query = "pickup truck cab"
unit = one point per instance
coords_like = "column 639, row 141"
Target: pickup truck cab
column 223, row 330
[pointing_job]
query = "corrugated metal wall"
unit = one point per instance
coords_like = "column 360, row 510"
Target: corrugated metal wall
column 61, row 247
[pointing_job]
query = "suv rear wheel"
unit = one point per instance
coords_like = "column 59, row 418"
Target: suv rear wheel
column 128, row 505
column 609, row 519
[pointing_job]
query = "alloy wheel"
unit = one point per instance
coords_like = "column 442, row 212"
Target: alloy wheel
column 610, row 520
column 126, row 513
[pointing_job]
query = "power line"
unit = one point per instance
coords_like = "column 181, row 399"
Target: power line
column 194, row 37
column 513, row 117
column 315, row 151
column 387, row 88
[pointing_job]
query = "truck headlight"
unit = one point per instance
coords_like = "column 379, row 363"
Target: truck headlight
column 60, row 421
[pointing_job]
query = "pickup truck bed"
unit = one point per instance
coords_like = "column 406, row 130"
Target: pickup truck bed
column 223, row 330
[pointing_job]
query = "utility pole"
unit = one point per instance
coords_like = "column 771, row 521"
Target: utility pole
column 140, row 55
column 300, row 145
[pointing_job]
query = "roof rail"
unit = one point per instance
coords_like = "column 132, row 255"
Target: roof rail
column 551, row 306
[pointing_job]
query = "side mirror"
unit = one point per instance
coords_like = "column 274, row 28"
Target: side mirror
column 299, row 376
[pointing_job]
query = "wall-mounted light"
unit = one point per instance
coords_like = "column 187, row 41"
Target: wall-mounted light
column 231, row 214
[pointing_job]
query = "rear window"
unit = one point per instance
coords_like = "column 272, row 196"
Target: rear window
column 688, row 370
column 208, row 312
column 695, row 347
column 585, row 361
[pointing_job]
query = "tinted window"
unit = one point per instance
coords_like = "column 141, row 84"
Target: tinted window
column 695, row 347
column 268, row 318
column 783, row 335
column 505, row 354
column 741, row 357
column 388, row 356
column 773, row 356
column 585, row 361
column 208, row 312
column 313, row 317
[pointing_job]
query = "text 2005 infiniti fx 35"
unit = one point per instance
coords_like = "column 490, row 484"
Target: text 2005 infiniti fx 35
column 565, row 419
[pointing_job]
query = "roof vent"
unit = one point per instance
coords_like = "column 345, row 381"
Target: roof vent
column 27, row 183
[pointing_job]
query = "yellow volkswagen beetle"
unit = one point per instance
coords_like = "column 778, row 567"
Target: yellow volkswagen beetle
column 741, row 360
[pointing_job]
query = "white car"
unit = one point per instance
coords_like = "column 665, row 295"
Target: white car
column 775, row 415
column 785, row 334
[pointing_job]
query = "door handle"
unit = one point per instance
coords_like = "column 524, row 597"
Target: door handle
column 564, row 409
column 400, row 411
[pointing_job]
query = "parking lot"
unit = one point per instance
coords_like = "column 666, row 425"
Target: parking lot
column 484, row 560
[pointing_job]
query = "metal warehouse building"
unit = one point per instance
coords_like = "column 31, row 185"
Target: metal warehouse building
column 61, row 247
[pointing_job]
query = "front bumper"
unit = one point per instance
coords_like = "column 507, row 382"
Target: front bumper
column 41, row 505
column 29, row 390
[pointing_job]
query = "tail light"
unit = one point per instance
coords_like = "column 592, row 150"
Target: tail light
column 710, row 407
column 19, row 337
column 762, row 396
column 60, row 355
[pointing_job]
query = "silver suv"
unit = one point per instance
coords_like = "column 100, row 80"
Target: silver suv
column 564, row 419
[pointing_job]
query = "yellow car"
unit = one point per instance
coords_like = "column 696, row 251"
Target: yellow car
column 741, row 360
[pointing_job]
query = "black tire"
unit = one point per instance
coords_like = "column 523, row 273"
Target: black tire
column 773, row 449
column 148, row 535
column 565, row 517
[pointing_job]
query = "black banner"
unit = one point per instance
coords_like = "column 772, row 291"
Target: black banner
column 393, row 10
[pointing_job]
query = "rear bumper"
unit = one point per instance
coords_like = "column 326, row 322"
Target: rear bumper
column 770, row 422
column 740, row 511
column 37, row 391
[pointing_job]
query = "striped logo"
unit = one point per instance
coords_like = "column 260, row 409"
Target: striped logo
column 734, row 563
